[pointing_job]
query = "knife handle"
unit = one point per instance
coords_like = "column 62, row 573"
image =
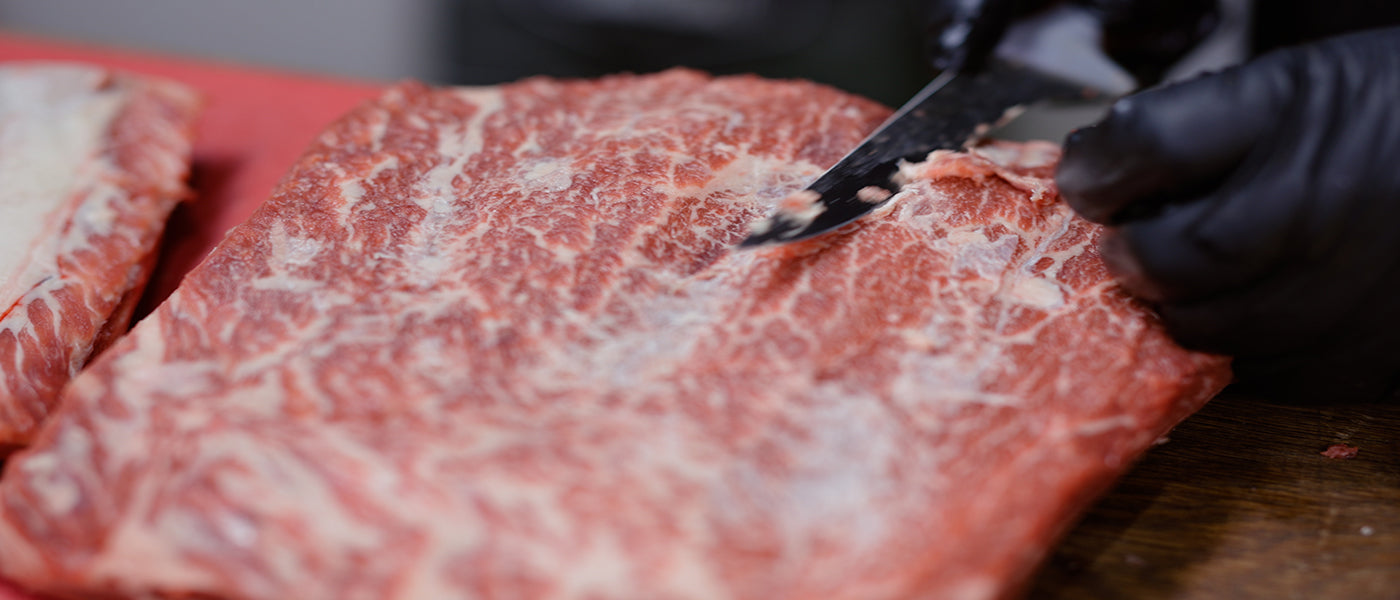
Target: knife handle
column 1145, row 37
column 961, row 34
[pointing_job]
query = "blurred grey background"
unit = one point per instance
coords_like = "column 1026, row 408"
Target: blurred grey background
column 870, row 47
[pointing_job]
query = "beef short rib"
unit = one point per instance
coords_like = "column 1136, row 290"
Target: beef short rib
column 496, row 343
column 91, row 164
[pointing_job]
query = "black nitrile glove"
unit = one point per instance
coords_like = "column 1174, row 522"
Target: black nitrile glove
column 1143, row 36
column 1259, row 208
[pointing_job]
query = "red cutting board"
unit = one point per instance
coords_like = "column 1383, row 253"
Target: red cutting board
column 255, row 123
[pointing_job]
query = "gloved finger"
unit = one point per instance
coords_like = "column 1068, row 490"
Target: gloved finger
column 1233, row 237
column 1161, row 145
column 1237, row 272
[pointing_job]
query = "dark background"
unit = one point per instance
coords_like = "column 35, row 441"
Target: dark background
column 870, row 47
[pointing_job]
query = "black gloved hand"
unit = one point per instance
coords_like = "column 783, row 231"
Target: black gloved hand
column 1260, row 209
column 1145, row 37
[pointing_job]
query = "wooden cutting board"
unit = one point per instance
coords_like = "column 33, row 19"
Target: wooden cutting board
column 1239, row 503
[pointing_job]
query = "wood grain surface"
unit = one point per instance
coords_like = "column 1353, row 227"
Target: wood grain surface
column 1240, row 503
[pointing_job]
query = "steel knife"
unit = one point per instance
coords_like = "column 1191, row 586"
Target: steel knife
column 951, row 110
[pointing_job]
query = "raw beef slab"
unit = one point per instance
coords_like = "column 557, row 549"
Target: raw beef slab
column 91, row 164
column 495, row 343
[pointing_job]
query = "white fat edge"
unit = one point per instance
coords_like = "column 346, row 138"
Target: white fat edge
column 59, row 119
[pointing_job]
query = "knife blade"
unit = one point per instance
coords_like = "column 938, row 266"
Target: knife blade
column 947, row 113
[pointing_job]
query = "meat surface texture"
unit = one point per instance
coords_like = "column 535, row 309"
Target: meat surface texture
column 496, row 343
column 91, row 164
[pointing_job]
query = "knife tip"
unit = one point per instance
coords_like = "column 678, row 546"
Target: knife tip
column 797, row 216
column 794, row 214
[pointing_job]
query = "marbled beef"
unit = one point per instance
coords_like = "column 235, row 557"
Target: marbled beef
column 496, row 343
